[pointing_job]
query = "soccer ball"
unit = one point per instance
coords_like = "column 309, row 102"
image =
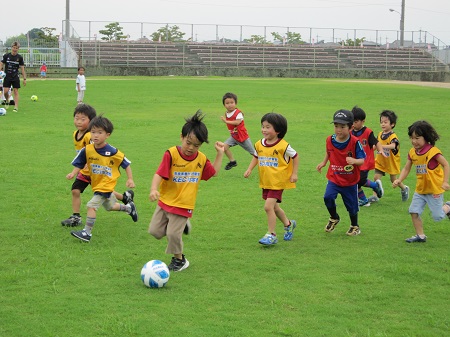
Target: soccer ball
column 2, row 74
column 155, row 274
column 34, row 98
column 2, row 112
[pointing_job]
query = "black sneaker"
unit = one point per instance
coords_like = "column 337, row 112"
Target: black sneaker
column 177, row 264
column 72, row 221
column 230, row 165
column 416, row 238
column 133, row 212
column 82, row 235
column 332, row 223
column 128, row 196
column 187, row 228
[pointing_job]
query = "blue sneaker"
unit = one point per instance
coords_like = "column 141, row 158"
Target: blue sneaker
column 268, row 239
column 379, row 190
column 289, row 231
column 82, row 235
column 364, row 202
column 416, row 238
column 373, row 198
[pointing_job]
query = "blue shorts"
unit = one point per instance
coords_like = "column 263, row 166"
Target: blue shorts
column 349, row 196
column 434, row 202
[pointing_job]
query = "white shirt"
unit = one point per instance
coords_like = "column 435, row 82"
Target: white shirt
column 81, row 80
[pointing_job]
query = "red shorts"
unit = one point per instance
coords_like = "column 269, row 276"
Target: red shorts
column 275, row 194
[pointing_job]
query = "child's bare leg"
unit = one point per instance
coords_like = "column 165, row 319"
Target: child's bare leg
column 418, row 223
column 269, row 207
column 229, row 154
column 281, row 215
column 76, row 201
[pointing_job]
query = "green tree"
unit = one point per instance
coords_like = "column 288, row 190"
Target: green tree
column 350, row 42
column 168, row 33
column 113, row 32
column 291, row 37
column 256, row 39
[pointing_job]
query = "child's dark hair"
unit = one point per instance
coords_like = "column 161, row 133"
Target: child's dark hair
column 278, row 122
column 229, row 95
column 391, row 115
column 81, row 68
column 195, row 125
column 86, row 110
column 101, row 123
column 358, row 114
column 425, row 130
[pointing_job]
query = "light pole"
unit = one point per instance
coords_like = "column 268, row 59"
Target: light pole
column 402, row 23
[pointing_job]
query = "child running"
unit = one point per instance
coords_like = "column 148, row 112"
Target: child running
column 389, row 161
column 175, row 185
column 103, row 162
column 368, row 142
column 234, row 119
column 83, row 115
column 432, row 172
column 277, row 165
column 346, row 155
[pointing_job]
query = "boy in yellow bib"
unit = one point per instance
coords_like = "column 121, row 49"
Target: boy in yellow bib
column 175, row 185
column 277, row 165
column 432, row 172
column 103, row 162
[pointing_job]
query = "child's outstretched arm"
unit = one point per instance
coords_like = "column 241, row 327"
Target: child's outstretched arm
column 403, row 174
column 441, row 160
column 219, row 156
column 130, row 181
column 294, row 175
column 252, row 165
column 323, row 163
column 74, row 173
column 154, row 189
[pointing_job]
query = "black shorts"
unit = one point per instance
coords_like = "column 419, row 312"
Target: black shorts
column 80, row 185
column 11, row 82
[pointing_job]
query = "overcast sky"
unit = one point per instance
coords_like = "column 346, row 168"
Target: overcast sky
column 432, row 16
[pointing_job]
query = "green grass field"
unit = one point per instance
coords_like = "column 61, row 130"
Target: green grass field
column 319, row 284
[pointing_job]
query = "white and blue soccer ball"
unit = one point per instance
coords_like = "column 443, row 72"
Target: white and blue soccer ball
column 155, row 274
column 2, row 74
column 2, row 112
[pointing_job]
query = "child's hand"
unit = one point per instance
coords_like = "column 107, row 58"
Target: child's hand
column 319, row 167
column 223, row 119
column 293, row 178
column 154, row 195
column 220, row 146
column 350, row 160
column 130, row 183
column 446, row 186
column 396, row 182
column 70, row 176
column 247, row 173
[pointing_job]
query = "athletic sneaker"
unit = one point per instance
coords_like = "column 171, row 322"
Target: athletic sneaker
column 133, row 212
column 379, row 190
column 177, row 264
column 15, row 110
column 289, row 231
column 373, row 198
column 405, row 193
column 448, row 214
column 72, row 221
column 332, row 223
column 416, row 238
column 128, row 196
column 353, row 230
column 364, row 202
column 187, row 227
column 230, row 165
column 268, row 239
column 82, row 235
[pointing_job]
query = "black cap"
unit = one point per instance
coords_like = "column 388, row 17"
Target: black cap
column 343, row 117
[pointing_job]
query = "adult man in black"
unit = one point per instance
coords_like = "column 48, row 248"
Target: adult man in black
column 12, row 62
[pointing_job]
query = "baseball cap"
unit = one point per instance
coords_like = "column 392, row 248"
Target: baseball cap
column 343, row 117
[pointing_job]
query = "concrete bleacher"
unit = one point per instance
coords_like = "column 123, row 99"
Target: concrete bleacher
column 212, row 55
